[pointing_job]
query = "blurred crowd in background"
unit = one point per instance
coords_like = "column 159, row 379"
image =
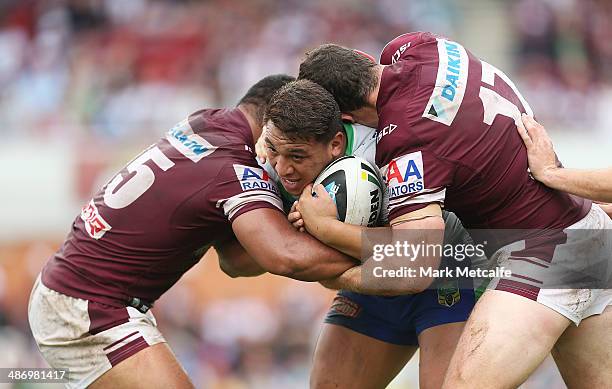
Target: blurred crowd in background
column 114, row 74
column 116, row 69
column 563, row 60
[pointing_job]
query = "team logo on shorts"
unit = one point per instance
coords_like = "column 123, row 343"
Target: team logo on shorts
column 344, row 307
column 254, row 178
column 448, row 293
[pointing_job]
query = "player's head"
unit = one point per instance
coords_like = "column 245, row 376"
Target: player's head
column 346, row 73
column 258, row 96
column 303, row 133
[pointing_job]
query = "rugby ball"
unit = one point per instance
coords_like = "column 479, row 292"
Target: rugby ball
column 355, row 187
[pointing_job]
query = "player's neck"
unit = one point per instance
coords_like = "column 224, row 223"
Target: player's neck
column 250, row 113
column 368, row 114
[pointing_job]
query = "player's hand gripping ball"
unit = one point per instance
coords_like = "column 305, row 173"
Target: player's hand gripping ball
column 356, row 189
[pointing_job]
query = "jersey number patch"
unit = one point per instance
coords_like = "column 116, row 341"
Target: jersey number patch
column 494, row 104
column 124, row 190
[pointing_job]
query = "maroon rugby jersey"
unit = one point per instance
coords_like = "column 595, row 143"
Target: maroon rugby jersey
column 447, row 134
column 155, row 219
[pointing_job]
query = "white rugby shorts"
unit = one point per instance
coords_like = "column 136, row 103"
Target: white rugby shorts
column 583, row 255
column 85, row 337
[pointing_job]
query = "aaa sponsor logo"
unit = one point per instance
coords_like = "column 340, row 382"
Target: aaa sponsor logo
column 95, row 225
column 253, row 178
column 404, row 175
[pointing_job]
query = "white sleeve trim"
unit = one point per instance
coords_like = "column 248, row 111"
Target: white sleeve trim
column 436, row 196
column 234, row 204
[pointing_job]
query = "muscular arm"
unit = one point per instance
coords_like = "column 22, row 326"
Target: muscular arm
column 280, row 249
column 235, row 261
column 352, row 280
column 590, row 184
column 425, row 231
column 424, row 226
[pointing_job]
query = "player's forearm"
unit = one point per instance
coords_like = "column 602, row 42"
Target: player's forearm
column 235, row 261
column 309, row 260
column 412, row 240
column 280, row 249
column 592, row 184
column 349, row 238
column 300, row 256
column 366, row 278
column 351, row 280
column 357, row 280
column 346, row 238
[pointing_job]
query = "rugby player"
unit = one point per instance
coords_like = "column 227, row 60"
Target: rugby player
column 446, row 127
column 365, row 340
column 198, row 186
column 591, row 184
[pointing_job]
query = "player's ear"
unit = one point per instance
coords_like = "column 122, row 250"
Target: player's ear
column 347, row 117
column 338, row 144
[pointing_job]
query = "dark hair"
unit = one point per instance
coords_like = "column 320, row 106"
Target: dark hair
column 345, row 73
column 261, row 92
column 305, row 110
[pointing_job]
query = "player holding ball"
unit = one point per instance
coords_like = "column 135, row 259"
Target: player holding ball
column 303, row 133
column 438, row 107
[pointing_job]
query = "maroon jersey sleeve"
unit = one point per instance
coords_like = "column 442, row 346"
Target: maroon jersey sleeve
column 243, row 186
column 414, row 180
